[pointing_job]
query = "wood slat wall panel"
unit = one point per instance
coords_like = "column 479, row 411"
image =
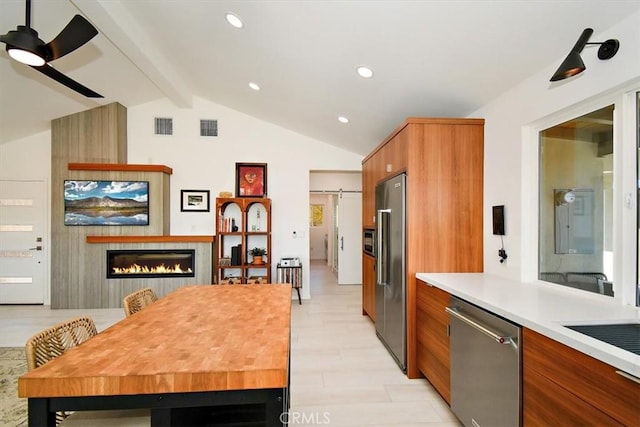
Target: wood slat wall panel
column 78, row 270
column 97, row 136
column 166, row 204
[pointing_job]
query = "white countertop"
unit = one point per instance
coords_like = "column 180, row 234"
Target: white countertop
column 544, row 308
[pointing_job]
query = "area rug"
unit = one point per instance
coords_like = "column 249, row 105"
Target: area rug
column 13, row 410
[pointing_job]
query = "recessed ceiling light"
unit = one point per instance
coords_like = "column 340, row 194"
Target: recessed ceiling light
column 234, row 20
column 364, row 71
column 254, row 86
column 343, row 119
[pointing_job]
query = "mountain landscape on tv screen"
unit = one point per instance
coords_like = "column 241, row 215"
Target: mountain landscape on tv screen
column 106, row 203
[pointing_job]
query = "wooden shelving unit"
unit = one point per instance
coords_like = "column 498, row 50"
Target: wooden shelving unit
column 243, row 222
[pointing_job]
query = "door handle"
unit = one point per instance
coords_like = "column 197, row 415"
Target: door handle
column 382, row 273
column 342, row 243
column 37, row 248
column 476, row 325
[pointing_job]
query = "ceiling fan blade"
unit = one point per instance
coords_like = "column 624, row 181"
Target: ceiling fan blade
column 56, row 75
column 77, row 32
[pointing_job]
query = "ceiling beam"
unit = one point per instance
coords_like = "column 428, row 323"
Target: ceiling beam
column 114, row 22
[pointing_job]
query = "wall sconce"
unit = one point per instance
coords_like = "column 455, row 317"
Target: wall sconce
column 564, row 197
column 573, row 64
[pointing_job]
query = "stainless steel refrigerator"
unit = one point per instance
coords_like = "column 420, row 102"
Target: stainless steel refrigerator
column 391, row 322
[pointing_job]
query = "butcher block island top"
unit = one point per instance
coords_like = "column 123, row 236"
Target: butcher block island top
column 198, row 338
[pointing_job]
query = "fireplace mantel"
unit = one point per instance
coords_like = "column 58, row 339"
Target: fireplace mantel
column 119, row 167
column 150, row 239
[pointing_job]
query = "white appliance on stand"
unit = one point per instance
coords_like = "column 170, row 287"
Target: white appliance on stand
column 289, row 270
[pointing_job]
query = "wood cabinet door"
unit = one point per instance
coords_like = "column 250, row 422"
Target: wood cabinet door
column 432, row 328
column 369, row 286
column 368, row 194
column 548, row 404
column 592, row 382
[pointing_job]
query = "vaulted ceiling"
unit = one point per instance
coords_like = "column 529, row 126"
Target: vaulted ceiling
column 430, row 58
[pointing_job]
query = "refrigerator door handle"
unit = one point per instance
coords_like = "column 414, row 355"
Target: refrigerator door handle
column 382, row 272
column 342, row 243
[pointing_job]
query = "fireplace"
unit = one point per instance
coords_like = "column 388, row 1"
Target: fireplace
column 124, row 264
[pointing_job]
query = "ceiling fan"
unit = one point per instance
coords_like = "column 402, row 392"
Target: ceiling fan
column 24, row 46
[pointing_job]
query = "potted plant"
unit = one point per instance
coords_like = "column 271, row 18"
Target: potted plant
column 257, row 254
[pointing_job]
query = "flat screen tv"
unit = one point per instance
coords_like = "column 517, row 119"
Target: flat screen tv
column 106, row 202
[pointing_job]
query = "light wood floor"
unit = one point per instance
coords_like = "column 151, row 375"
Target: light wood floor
column 341, row 375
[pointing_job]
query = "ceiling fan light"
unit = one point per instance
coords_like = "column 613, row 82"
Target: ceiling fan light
column 25, row 56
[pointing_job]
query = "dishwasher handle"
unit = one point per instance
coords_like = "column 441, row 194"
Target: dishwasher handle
column 476, row 325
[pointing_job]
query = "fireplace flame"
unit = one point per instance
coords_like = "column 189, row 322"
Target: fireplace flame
column 143, row 269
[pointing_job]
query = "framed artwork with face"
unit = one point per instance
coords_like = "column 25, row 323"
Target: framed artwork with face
column 251, row 179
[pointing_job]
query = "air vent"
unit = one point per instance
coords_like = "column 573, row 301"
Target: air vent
column 208, row 128
column 163, row 126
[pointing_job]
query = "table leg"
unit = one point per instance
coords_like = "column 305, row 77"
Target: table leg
column 277, row 408
column 160, row 417
column 39, row 413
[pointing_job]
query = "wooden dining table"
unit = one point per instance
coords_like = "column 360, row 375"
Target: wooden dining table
column 194, row 351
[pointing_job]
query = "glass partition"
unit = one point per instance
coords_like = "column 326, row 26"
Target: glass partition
column 576, row 203
column 638, row 199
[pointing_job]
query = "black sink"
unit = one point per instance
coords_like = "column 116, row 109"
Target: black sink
column 625, row 336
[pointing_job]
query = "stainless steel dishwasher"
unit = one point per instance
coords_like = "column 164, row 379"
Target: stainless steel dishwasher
column 486, row 385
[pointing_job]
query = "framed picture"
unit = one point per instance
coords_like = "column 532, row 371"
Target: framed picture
column 251, row 179
column 106, row 202
column 194, row 200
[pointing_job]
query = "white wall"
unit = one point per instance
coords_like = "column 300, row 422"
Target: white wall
column 27, row 158
column 333, row 181
column 510, row 152
column 208, row 163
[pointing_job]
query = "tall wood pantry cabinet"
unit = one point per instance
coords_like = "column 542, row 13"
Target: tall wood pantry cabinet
column 443, row 160
column 242, row 223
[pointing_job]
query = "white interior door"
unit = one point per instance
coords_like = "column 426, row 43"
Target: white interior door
column 349, row 238
column 22, row 247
